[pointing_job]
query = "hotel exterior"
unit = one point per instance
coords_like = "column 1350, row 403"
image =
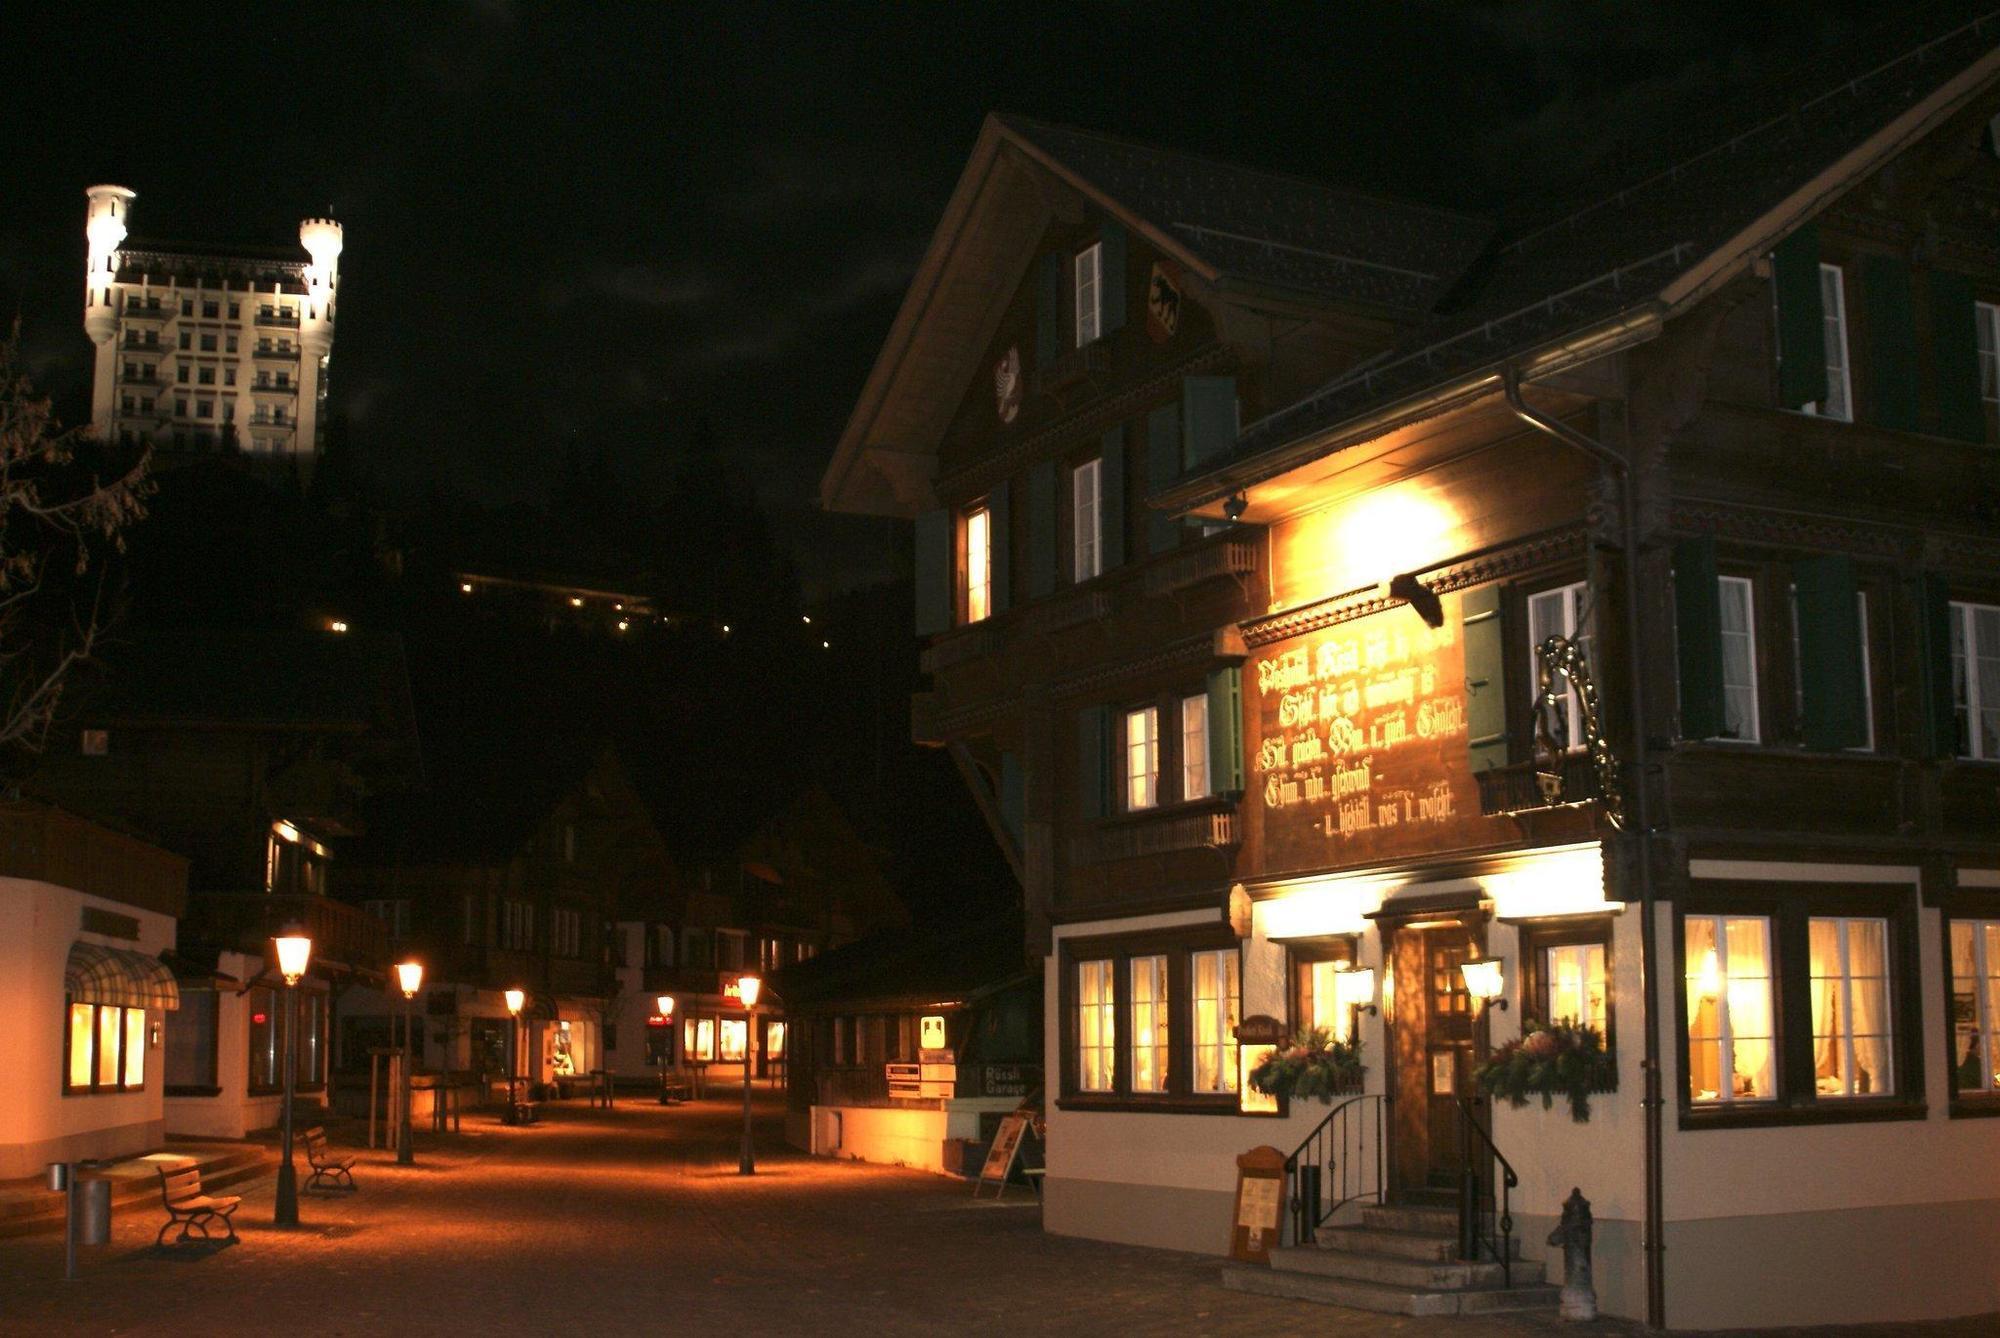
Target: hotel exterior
column 1323, row 593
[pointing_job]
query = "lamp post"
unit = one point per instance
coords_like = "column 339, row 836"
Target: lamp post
column 666, row 1007
column 748, row 987
column 410, row 976
column 515, row 998
column 294, row 951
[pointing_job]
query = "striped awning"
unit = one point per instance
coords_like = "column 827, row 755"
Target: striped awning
column 99, row 974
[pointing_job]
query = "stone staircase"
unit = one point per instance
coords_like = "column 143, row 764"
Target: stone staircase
column 1401, row 1260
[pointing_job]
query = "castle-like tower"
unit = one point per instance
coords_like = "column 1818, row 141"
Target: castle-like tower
column 202, row 349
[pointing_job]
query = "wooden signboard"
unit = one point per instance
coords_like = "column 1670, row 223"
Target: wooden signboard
column 1001, row 1156
column 1258, row 1038
column 1260, row 1205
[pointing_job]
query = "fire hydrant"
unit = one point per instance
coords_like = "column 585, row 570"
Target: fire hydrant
column 1579, row 1296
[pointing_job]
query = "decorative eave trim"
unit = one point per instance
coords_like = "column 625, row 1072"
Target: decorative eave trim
column 1780, row 530
column 1186, row 653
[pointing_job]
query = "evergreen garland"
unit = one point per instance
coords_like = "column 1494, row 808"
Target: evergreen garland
column 1314, row 1064
column 1551, row 1061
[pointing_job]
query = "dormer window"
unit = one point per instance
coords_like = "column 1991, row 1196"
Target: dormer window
column 1087, row 274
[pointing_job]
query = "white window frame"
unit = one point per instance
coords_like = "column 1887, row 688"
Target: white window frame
column 1752, row 731
column 1142, row 758
column 1555, row 956
column 1884, row 1084
column 1087, row 289
column 1833, row 310
column 1220, row 1046
column 1195, row 780
column 1569, row 601
column 1086, row 492
column 1985, row 1018
column 978, row 564
column 1725, row 1033
column 1149, row 1016
column 1986, row 320
column 1967, row 649
column 1867, row 670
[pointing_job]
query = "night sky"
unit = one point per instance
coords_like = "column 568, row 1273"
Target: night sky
column 585, row 228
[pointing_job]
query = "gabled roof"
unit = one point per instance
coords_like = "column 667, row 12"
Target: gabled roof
column 1700, row 210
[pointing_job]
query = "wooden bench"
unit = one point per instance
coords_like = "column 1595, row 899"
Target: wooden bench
column 328, row 1171
column 674, row 1089
column 190, row 1209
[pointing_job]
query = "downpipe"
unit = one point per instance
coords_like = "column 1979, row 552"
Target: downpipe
column 1616, row 465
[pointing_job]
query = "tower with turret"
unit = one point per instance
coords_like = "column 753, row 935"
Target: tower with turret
column 208, row 349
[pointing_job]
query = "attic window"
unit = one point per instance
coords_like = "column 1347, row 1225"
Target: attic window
column 1087, row 272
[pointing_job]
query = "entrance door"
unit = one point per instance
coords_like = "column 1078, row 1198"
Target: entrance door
column 1434, row 1054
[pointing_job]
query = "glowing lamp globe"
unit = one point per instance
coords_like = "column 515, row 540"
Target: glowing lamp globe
column 294, row 951
column 410, row 978
column 1354, row 986
column 1484, row 980
column 515, row 998
column 749, row 987
column 666, row 1003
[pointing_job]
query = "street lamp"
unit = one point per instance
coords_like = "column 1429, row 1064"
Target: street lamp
column 667, row 1065
column 748, row 987
column 410, row 976
column 515, row 998
column 294, row 951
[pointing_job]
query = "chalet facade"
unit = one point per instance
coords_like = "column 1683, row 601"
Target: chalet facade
column 1322, row 593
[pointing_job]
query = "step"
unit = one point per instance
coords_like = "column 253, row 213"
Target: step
column 1381, row 1298
column 1371, row 1240
column 1396, row 1271
column 1407, row 1218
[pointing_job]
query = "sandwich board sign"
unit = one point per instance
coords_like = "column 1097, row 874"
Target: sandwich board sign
column 1000, row 1158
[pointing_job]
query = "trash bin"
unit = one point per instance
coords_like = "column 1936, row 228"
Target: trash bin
column 93, row 1209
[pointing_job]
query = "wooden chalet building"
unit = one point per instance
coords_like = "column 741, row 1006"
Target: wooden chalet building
column 1249, row 513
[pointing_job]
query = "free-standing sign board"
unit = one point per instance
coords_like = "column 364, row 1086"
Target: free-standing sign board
column 1260, row 1202
column 1001, row 1156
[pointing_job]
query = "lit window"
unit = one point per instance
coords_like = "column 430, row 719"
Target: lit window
column 1560, row 612
column 1975, row 678
column 1215, row 999
column 1839, row 401
column 1574, row 978
column 1850, row 1007
column 1087, row 270
column 1149, row 1023
column 1088, row 519
column 135, row 1046
column 1728, row 978
column 1975, row 1005
column 1867, row 685
column 1142, row 758
column 82, row 1031
column 1096, row 1026
column 1194, row 747
column 978, row 565
column 1739, row 660
column 735, row 1030
column 1323, row 1006
column 1988, row 325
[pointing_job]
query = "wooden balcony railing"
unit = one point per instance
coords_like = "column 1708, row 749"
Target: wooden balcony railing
column 1159, row 834
column 247, row 921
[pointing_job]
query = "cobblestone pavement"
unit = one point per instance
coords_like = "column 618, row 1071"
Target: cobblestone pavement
column 634, row 1221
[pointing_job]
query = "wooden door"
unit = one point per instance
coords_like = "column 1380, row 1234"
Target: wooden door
column 1431, row 1049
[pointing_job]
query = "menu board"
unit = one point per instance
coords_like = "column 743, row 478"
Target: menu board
column 1260, row 1201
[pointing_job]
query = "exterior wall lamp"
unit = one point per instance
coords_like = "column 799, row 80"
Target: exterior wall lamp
column 1486, row 981
column 1354, row 987
column 1418, row 596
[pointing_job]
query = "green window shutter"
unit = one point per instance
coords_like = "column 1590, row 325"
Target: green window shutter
column 1698, row 638
column 1049, row 311
column 1111, row 497
column 1042, row 521
column 934, row 571
column 1892, row 342
column 1000, row 527
column 1938, row 714
column 1163, row 470
column 1112, row 309
column 1835, row 706
column 1485, row 677
column 1225, row 730
column 1012, row 790
column 1801, row 321
column 1208, row 418
column 1093, row 761
column 1955, row 356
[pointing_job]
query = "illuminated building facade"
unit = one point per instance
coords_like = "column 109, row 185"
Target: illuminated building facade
column 201, row 349
column 1251, row 516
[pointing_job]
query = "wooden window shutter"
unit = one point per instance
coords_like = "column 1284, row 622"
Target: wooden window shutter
column 1225, row 730
column 1892, row 342
column 1111, row 497
column 1938, row 716
column 1834, row 712
column 1049, row 311
column 1955, row 357
column 1163, row 470
column 1698, row 638
column 1801, row 320
column 935, row 532
column 1208, row 418
column 1012, row 791
column 1093, row 761
column 1481, row 629
column 1001, row 534
column 1042, row 526
column 1111, row 306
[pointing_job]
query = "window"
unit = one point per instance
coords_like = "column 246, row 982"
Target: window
column 1560, row 612
column 978, row 565
column 1147, row 990
column 1975, row 1006
column 180, row 407
column 208, row 343
column 1573, row 985
column 1839, row 403
column 235, row 311
column 395, row 914
column 190, row 1053
column 265, row 1006
column 517, row 926
column 204, row 408
column 206, row 376
column 106, row 1048
column 1317, row 1000
column 229, row 344
column 1087, row 524
column 698, row 1040
column 209, row 311
column 568, row 927
column 229, row 411
column 1852, row 1042
column 1739, row 660
column 187, row 339
column 229, row 376
column 1729, row 1009
column 181, row 373
column 1988, row 324
column 1216, row 994
column 1142, row 758
column 1096, row 1027
column 1194, row 747
column 734, row 1032
column 187, row 306
column 1975, row 678
column 278, row 414
column 1867, row 745
column 1087, row 271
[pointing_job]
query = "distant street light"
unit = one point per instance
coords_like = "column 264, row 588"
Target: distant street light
column 749, row 987
column 515, row 998
column 294, row 952
column 410, row 976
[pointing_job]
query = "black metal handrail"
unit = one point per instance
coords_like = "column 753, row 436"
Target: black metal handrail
column 1338, row 1163
column 1472, row 1214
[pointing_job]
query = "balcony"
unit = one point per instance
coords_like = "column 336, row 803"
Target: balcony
column 342, row 935
column 277, row 321
column 1517, row 788
column 972, row 642
column 51, row 846
column 280, row 388
column 288, row 354
column 1076, row 365
column 1211, row 826
column 1232, row 558
column 154, row 312
column 146, row 378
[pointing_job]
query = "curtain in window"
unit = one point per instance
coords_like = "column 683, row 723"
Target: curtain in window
column 1575, row 975
column 1850, row 1007
column 1215, row 1004
column 1096, row 1029
column 1149, row 1023
column 1975, row 1004
column 1728, row 979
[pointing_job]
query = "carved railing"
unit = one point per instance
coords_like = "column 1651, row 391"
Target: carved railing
column 1160, row 834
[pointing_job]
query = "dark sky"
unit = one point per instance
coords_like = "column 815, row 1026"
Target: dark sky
column 589, row 226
